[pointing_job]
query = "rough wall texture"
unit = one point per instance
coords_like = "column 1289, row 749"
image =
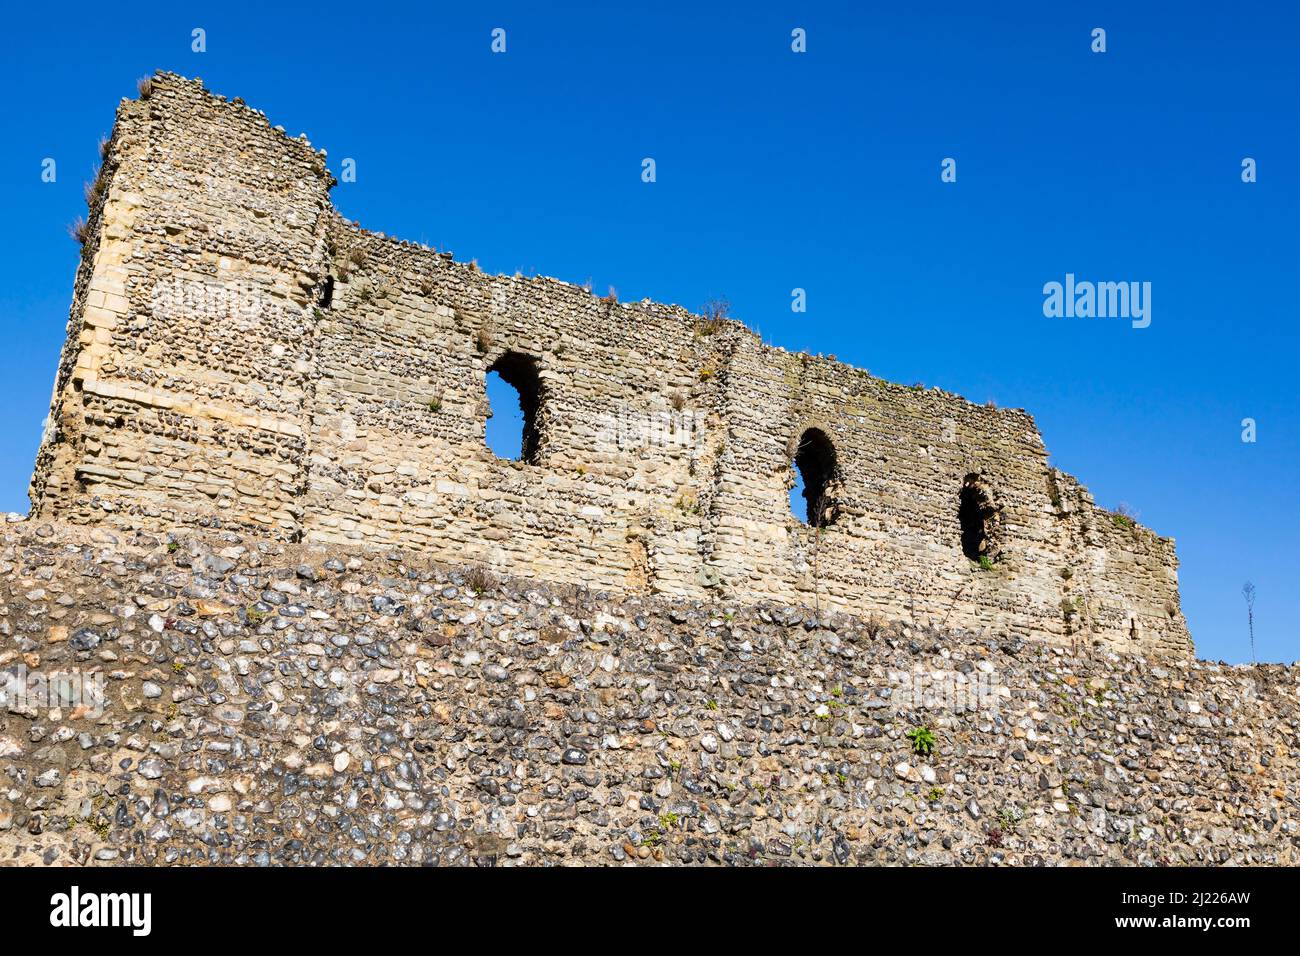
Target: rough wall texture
column 270, row 702
column 241, row 358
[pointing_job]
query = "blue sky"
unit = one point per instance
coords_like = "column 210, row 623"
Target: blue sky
column 778, row 170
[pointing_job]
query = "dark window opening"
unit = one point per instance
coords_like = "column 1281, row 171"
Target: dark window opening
column 812, row 499
column 513, row 427
column 327, row 293
column 978, row 517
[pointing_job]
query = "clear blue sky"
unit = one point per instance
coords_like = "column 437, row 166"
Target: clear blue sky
column 777, row 170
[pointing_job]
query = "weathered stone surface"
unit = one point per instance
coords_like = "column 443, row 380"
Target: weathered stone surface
column 241, row 358
column 319, row 730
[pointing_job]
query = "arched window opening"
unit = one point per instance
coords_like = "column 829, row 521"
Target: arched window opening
column 816, row 474
column 514, row 393
column 978, row 517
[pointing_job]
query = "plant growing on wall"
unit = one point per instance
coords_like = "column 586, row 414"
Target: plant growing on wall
column 715, row 314
column 1124, row 517
column 1248, row 592
column 922, row 740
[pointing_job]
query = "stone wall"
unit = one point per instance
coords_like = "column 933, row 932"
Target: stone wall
column 182, row 393
column 240, row 357
column 275, row 703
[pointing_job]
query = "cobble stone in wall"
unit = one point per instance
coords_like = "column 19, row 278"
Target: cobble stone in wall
column 276, row 703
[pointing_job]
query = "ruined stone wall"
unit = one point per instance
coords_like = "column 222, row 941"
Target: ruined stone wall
column 338, row 397
column 182, row 394
column 398, row 451
column 273, row 703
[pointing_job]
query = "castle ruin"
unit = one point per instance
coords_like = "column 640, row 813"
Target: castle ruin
column 241, row 357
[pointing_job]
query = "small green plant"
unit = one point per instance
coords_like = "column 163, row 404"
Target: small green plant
column 172, row 547
column 435, row 405
column 922, row 740
column 178, row 667
column 934, row 795
column 985, row 563
column 254, row 615
column 1009, row 817
column 1124, row 517
column 712, row 705
column 667, row 821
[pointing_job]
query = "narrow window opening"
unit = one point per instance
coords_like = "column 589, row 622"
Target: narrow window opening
column 812, row 498
column 978, row 516
column 327, row 293
column 514, row 393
